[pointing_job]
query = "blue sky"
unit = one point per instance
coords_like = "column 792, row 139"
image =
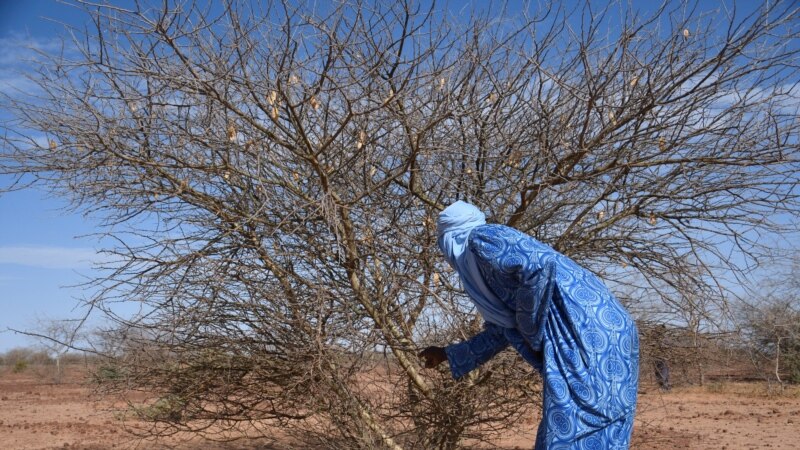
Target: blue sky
column 41, row 255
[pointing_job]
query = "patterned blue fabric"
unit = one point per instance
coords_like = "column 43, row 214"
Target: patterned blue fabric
column 570, row 328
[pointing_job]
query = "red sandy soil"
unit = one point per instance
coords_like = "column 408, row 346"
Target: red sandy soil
column 719, row 416
column 35, row 413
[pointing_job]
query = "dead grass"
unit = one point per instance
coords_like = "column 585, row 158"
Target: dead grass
column 750, row 390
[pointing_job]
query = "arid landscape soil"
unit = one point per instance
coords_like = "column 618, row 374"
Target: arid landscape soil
column 36, row 413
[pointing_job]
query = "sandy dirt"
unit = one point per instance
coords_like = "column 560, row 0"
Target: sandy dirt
column 719, row 416
column 35, row 413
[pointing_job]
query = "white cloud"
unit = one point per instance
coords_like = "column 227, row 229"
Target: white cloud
column 21, row 56
column 50, row 257
column 22, row 50
column 16, row 82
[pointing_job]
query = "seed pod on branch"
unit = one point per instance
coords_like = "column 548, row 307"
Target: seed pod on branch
column 232, row 134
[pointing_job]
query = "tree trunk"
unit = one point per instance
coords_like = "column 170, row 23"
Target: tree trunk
column 777, row 363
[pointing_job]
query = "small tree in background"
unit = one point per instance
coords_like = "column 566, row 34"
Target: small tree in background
column 271, row 175
column 57, row 338
column 772, row 326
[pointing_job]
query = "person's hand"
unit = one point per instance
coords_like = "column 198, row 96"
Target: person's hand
column 432, row 357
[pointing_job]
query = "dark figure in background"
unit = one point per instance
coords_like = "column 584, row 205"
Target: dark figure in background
column 662, row 373
column 660, row 364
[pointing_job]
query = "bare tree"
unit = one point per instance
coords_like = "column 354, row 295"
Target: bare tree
column 774, row 331
column 272, row 174
column 771, row 324
column 57, row 337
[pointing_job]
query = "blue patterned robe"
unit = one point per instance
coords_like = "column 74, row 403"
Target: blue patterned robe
column 570, row 328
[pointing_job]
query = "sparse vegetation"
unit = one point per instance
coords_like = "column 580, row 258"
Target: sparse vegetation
column 686, row 416
column 272, row 172
column 771, row 326
column 20, row 366
column 107, row 373
column 169, row 409
column 20, row 359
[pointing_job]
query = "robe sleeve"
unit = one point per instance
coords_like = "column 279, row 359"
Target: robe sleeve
column 464, row 357
column 534, row 358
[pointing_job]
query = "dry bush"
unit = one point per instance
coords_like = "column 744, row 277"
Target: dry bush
column 772, row 332
column 22, row 359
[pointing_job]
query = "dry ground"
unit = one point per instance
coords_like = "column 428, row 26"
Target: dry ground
column 37, row 414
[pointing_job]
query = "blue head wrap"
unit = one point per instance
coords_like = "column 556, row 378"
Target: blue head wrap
column 454, row 226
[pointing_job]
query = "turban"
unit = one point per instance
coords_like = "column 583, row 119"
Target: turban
column 453, row 228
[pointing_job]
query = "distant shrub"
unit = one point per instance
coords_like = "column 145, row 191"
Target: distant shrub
column 20, row 359
column 792, row 364
column 107, row 373
column 165, row 409
column 20, row 366
column 40, row 358
column 16, row 354
column 71, row 358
